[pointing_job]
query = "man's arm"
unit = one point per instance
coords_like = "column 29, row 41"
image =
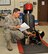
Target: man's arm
column 8, row 24
column 27, row 32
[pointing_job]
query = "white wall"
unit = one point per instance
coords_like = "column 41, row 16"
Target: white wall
column 34, row 6
column 16, row 3
column 8, row 6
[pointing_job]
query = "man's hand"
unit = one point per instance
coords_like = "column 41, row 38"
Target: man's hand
column 29, row 33
column 18, row 26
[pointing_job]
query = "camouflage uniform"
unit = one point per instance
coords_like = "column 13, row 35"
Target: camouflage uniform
column 10, row 21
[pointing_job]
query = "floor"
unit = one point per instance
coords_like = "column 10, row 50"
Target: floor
column 34, row 49
column 3, row 49
column 45, row 29
column 40, row 49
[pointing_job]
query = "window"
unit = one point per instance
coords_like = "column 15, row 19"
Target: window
column 5, row 2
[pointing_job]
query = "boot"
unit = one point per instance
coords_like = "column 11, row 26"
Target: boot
column 9, row 47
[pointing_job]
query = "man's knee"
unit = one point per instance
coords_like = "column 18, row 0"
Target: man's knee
column 21, row 36
column 17, row 36
column 7, row 36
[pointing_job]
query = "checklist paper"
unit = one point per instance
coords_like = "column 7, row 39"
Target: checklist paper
column 24, row 26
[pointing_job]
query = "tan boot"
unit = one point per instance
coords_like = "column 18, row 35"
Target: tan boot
column 9, row 47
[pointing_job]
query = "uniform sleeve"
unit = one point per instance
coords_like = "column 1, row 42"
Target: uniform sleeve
column 19, row 22
column 7, row 23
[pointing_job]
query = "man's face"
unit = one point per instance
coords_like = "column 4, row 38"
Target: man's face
column 17, row 14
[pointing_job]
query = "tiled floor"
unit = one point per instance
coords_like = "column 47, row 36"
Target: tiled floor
column 3, row 49
column 45, row 29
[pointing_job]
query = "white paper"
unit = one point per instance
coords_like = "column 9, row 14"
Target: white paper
column 24, row 26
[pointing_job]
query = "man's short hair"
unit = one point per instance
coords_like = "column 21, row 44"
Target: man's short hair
column 16, row 9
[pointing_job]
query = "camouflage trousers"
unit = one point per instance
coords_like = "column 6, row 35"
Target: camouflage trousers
column 19, row 35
